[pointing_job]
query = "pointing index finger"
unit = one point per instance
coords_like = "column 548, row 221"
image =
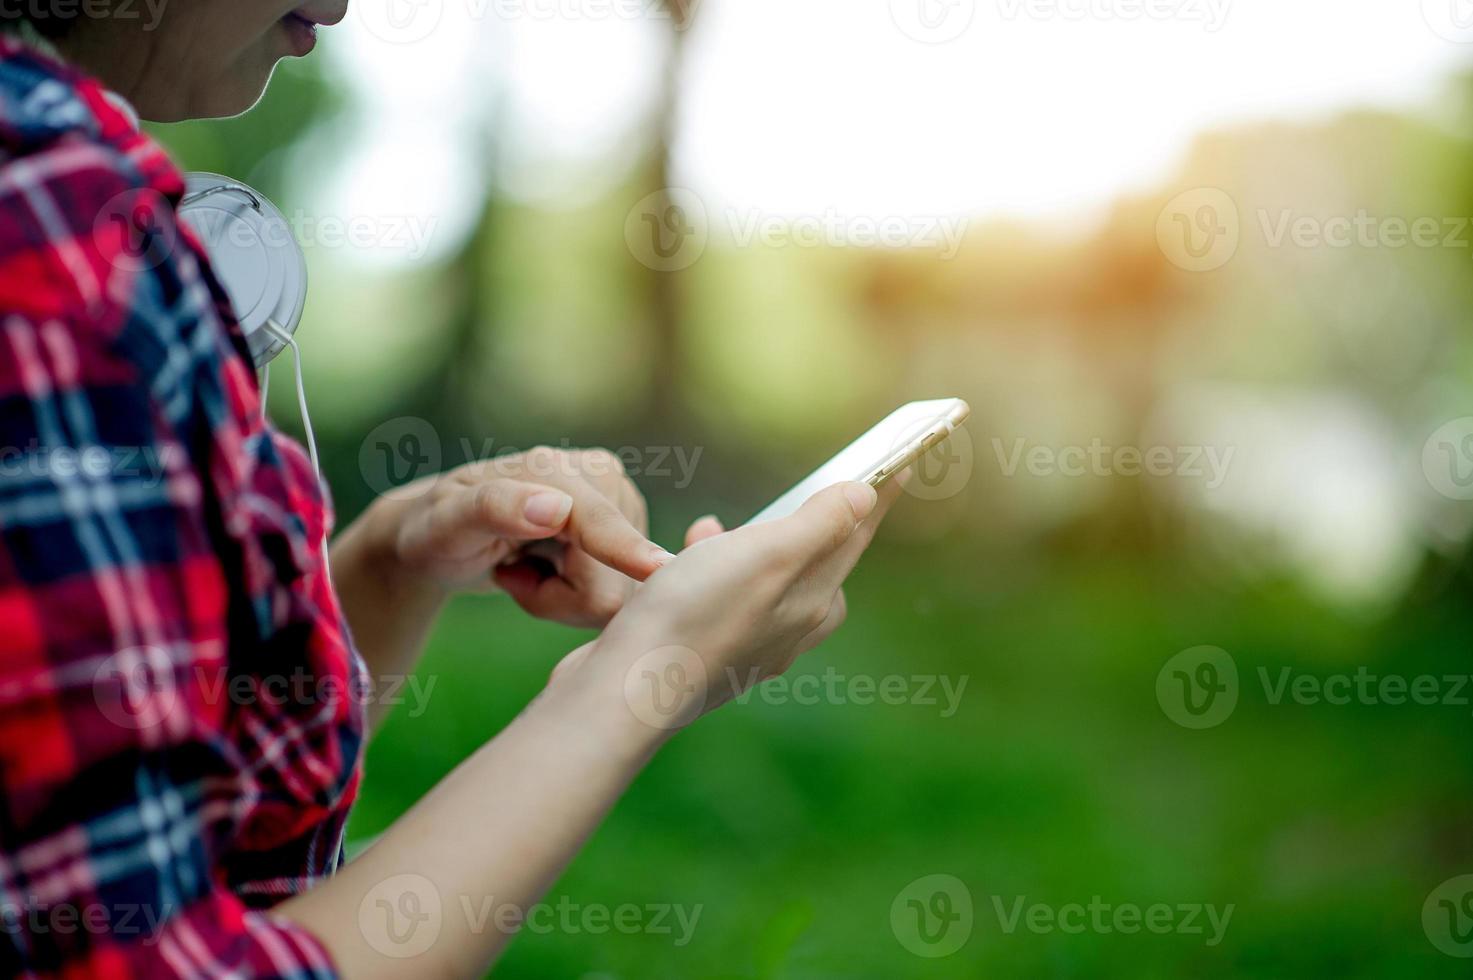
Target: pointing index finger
column 607, row 536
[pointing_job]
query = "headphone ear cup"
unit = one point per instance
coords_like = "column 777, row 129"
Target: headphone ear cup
column 255, row 256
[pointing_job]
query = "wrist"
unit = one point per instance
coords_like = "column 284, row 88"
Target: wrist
column 605, row 698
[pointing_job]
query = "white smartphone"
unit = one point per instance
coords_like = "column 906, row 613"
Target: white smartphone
column 903, row 437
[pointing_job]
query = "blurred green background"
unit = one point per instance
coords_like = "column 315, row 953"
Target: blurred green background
column 1056, row 599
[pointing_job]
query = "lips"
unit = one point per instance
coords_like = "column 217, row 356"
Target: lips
column 301, row 24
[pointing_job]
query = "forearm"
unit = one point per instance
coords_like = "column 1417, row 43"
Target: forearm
column 389, row 613
column 494, row 834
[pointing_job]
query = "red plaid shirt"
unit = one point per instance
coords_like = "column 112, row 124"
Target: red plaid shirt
column 180, row 709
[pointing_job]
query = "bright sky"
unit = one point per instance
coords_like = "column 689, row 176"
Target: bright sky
column 1034, row 108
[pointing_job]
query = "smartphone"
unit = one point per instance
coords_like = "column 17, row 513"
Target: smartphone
column 906, row 435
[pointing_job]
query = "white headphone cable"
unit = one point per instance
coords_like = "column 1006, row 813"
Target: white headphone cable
column 281, row 334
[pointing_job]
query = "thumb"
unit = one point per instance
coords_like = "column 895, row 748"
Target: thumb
column 826, row 521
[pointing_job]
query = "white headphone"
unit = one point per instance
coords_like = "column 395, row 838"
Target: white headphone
column 255, row 256
column 262, row 268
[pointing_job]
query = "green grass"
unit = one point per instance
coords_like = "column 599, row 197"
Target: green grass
column 1059, row 779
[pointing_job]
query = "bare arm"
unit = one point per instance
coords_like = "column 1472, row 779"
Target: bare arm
column 494, row 834
column 499, row 829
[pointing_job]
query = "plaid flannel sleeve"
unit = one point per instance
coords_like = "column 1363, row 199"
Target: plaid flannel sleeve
column 123, row 410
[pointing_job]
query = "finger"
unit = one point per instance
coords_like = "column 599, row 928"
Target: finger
column 823, row 524
column 596, row 524
column 706, row 527
column 632, row 503
column 470, row 513
column 600, row 529
column 601, row 588
column 605, row 534
column 555, row 599
column 605, row 472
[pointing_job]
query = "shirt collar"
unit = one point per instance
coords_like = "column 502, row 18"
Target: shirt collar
column 124, row 108
column 43, row 99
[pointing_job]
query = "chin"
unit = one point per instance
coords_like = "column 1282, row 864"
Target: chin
column 236, row 94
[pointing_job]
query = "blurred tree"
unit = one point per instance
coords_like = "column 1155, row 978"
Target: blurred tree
column 666, row 397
